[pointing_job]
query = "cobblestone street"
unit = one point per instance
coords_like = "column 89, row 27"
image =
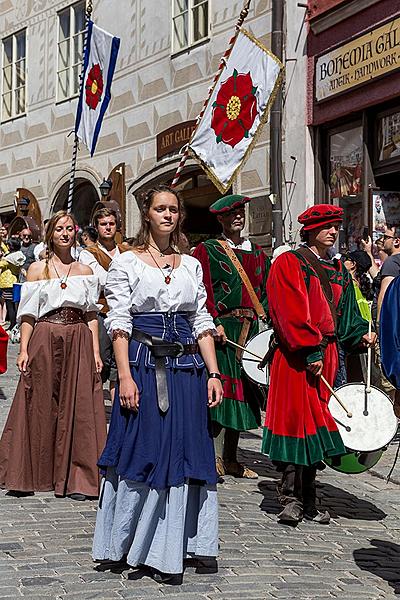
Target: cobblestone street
column 45, row 542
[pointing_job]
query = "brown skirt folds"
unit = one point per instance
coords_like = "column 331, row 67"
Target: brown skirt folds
column 56, row 428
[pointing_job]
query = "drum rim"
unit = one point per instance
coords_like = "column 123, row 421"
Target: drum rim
column 266, row 385
column 327, row 458
column 382, row 392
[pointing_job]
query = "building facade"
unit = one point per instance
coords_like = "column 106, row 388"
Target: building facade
column 354, row 111
column 169, row 53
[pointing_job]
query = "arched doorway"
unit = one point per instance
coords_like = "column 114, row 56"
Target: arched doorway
column 84, row 199
column 198, row 193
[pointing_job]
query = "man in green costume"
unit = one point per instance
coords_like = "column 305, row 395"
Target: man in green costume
column 233, row 309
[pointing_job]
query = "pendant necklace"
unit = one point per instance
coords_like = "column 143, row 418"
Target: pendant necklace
column 162, row 252
column 167, row 278
column 63, row 281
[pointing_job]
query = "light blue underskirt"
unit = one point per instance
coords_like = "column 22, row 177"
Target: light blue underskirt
column 158, row 528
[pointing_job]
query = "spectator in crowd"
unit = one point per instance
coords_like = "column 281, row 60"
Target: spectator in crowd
column 390, row 269
column 89, row 236
column 27, row 248
column 40, row 248
column 3, row 252
column 10, row 267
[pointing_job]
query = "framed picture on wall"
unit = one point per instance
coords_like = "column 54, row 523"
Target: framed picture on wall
column 388, row 137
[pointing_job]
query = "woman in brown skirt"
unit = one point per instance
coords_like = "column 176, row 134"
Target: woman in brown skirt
column 56, row 428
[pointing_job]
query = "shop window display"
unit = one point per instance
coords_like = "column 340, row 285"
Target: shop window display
column 345, row 182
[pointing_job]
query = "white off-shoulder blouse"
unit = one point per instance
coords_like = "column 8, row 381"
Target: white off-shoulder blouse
column 40, row 297
column 132, row 286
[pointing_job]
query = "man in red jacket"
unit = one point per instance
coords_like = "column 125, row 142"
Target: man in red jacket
column 309, row 318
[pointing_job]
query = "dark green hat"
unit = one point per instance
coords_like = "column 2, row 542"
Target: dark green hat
column 228, row 203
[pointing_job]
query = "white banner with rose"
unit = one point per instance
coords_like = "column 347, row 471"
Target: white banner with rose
column 237, row 109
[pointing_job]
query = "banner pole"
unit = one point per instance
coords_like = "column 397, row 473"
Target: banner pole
column 88, row 14
column 243, row 14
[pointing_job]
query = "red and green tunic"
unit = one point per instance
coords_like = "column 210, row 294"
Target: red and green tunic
column 299, row 428
column 225, row 292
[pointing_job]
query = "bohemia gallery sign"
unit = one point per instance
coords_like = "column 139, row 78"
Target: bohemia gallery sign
column 363, row 59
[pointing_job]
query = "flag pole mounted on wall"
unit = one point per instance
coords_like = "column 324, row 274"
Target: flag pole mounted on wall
column 89, row 10
column 243, row 14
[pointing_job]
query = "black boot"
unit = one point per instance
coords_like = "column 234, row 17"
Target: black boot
column 290, row 494
column 311, row 513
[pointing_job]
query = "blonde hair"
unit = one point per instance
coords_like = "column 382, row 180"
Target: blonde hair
column 48, row 240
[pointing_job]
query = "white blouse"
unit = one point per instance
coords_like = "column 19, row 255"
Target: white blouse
column 133, row 286
column 42, row 296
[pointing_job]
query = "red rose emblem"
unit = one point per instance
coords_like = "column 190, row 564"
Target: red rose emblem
column 94, row 86
column 234, row 109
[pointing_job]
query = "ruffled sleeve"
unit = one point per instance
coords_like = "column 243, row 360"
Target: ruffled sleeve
column 121, row 279
column 93, row 293
column 29, row 302
column 201, row 320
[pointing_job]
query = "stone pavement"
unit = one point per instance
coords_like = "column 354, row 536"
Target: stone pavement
column 45, row 542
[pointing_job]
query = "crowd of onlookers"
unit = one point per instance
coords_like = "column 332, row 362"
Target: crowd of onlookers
column 17, row 252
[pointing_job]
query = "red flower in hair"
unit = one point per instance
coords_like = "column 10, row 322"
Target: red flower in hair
column 234, row 109
column 94, row 86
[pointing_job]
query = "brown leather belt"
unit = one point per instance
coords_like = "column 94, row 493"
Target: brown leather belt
column 65, row 316
column 248, row 313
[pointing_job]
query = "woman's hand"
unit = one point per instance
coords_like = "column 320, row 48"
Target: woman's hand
column 128, row 394
column 22, row 361
column 221, row 336
column 215, row 392
column 98, row 362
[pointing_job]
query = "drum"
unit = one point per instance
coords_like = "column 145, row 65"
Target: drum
column 255, row 349
column 373, row 423
column 354, row 462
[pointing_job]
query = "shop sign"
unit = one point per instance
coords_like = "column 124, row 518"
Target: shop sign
column 172, row 139
column 259, row 216
column 363, row 59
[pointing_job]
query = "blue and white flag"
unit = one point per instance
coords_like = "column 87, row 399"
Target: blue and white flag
column 99, row 65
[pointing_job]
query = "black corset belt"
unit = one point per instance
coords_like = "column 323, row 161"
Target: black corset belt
column 160, row 349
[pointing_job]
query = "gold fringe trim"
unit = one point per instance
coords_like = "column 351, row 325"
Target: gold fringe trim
column 263, row 118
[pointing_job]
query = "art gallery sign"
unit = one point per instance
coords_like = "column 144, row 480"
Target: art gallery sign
column 365, row 58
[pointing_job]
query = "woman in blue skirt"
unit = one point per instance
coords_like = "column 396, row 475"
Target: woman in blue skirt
column 158, row 503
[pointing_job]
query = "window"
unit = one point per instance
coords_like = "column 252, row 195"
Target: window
column 71, row 31
column 13, row 79
column 189, row 23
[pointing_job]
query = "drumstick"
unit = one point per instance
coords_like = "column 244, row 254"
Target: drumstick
column 332, row 391
column 369, row 354
column 334, row 394
column 244, row 349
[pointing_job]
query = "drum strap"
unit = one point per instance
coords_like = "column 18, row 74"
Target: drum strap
column 323, row 278
column 258, row 307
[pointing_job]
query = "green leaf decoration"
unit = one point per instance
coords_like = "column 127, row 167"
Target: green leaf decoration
column 254, row 89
